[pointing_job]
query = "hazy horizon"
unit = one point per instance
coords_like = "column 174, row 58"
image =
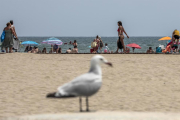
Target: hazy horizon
column 90, row 36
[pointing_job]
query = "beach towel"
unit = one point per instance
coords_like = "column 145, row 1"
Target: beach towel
column 16, row 44
column 119, row 44
column 169, row 43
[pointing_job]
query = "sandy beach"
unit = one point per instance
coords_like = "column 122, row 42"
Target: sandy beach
column 135, row 83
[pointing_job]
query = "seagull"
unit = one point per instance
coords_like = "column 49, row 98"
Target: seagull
column 85, row 85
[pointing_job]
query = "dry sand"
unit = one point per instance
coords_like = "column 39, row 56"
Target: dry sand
column 102, row 115
column 136, row 82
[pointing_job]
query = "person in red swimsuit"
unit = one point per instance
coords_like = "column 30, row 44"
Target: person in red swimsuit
column 121, row 30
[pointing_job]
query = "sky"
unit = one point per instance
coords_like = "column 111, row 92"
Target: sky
column 80, row 18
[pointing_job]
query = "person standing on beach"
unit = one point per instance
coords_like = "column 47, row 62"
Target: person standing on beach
column 16, row 42
column 98, row 42
column 121, row 30
column 8, row 41
column 175, row 36
column 12, row 26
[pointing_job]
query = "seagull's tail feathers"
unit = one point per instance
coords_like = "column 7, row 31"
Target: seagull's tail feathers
column 58, row 95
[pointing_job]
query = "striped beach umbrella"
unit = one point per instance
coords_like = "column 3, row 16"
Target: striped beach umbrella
column 52, row 41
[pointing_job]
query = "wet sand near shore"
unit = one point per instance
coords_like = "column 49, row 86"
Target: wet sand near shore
column 136, row 82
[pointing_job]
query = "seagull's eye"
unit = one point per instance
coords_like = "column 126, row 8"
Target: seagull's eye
column 101, row 59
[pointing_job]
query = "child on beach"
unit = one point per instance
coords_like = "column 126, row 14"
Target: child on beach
column 106, row 49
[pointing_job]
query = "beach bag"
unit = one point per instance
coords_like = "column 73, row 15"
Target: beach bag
column 93, row 44
column 158, row 50
column 2, row 36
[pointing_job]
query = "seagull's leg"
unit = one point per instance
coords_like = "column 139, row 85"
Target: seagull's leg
column 87, row 105
column 80, row 104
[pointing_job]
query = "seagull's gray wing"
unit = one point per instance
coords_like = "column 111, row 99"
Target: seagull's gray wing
column 84, row 85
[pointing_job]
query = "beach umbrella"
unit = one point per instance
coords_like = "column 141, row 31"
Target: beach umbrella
column 52, row 41
column 26, row 43
column 165, row 38
column 133, row 45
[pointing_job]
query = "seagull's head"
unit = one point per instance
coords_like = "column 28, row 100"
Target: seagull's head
column 98, row 59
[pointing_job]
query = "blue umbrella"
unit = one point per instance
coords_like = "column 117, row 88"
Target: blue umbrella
column 29, row 43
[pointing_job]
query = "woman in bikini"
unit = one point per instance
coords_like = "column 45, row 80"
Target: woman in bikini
column 121, row 37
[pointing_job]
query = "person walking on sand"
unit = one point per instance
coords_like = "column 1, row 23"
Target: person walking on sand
column 16, row 42
column 8, row 41
column 121, row 30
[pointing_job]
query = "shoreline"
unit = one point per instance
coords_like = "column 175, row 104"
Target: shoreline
column 91, row 53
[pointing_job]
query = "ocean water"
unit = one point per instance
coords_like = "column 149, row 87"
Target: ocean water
column 85, row 42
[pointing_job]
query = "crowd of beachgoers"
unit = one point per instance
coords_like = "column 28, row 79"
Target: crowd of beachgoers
column 11, row 42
